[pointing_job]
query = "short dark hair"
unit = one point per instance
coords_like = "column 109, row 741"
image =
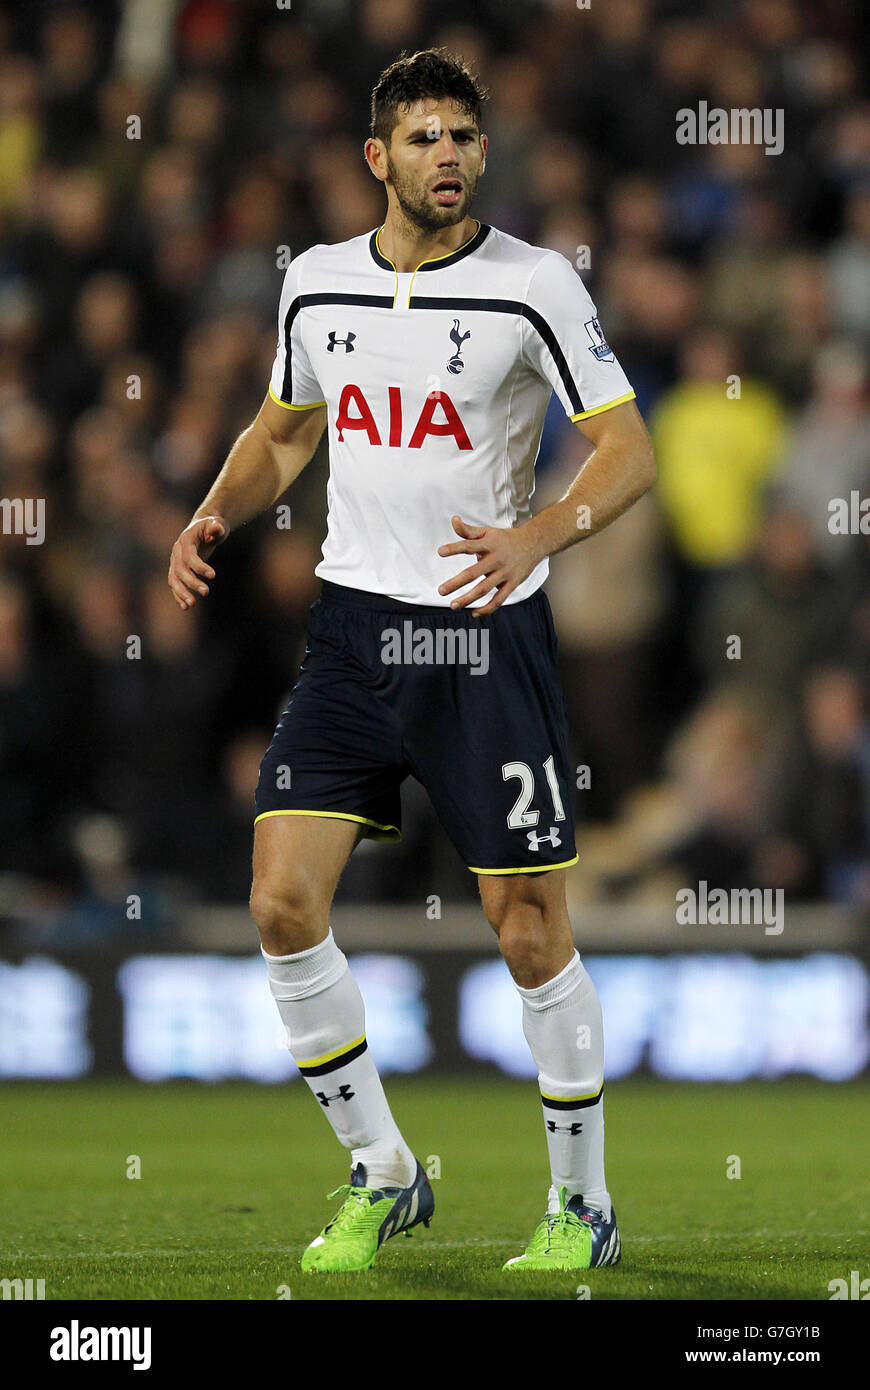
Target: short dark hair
column 433, row 72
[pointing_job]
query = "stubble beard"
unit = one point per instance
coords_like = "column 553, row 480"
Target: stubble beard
column 419, row 212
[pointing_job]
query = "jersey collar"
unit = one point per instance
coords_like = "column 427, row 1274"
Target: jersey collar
column 437, row 262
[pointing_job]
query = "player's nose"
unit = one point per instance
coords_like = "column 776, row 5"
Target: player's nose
column 448, row 150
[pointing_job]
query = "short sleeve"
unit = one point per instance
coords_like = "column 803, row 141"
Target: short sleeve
column 565, row 344
column 293, row 383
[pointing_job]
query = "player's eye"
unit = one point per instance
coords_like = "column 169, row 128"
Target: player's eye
column 462, row 136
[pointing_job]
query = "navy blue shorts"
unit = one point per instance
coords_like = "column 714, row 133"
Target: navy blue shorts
column 471, row 707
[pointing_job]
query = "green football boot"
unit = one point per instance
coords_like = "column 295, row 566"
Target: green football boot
column 574, row 1237
column 367, row 1217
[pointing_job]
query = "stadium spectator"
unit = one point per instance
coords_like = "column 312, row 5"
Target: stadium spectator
column 719, row 437
column 827, row 453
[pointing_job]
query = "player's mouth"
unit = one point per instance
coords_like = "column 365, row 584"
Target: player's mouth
column 448, row 192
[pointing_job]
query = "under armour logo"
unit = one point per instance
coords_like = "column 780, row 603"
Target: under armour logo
column 347, row 343
column 456, row 363
column 344, row 1093
column 535, row 840
column 564, row 1129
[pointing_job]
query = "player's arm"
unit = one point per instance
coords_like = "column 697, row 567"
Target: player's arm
column 262, row 464
column 620, row 469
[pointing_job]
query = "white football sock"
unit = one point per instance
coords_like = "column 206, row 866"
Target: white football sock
column 324, row 1017
column 563, row 1027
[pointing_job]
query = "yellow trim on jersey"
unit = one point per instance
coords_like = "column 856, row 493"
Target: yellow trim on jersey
column 591, row 1095
column 540, row 869
column 278, row 401
column 430, row 259
column 596, row 410
column 330, row 1056
column 427, row 261
column 392, row 832
column 386, row 258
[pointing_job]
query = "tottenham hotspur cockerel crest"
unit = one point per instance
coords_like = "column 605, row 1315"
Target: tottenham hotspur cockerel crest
column 456, row 364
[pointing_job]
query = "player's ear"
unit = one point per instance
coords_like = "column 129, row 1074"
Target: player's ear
column 374, row 153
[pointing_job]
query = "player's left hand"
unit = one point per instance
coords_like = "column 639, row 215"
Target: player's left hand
column 505, row 557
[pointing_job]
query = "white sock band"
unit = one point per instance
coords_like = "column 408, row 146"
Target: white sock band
column 555, row 991
column 306, row 973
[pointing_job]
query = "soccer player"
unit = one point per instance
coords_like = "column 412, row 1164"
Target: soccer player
column 428, row 349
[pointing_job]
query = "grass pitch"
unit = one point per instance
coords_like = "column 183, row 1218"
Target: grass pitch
column 233, row 1183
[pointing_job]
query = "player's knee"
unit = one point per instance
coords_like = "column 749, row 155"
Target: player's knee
column 525, row 942
column 290, row 917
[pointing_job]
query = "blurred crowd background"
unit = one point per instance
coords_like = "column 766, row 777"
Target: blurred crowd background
column 733, row 285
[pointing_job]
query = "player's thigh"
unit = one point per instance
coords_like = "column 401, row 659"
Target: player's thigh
column 298, row 860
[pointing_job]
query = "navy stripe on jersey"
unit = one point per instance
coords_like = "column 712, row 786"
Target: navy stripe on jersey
column 377, row 301
column 512, row 306
column 417, row 301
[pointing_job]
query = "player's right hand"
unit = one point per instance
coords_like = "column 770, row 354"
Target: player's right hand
column 187, row 567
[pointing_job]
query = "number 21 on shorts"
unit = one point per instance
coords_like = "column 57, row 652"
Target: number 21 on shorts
column 519, row 815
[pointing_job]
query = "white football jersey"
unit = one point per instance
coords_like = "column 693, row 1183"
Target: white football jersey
column 436, row 383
